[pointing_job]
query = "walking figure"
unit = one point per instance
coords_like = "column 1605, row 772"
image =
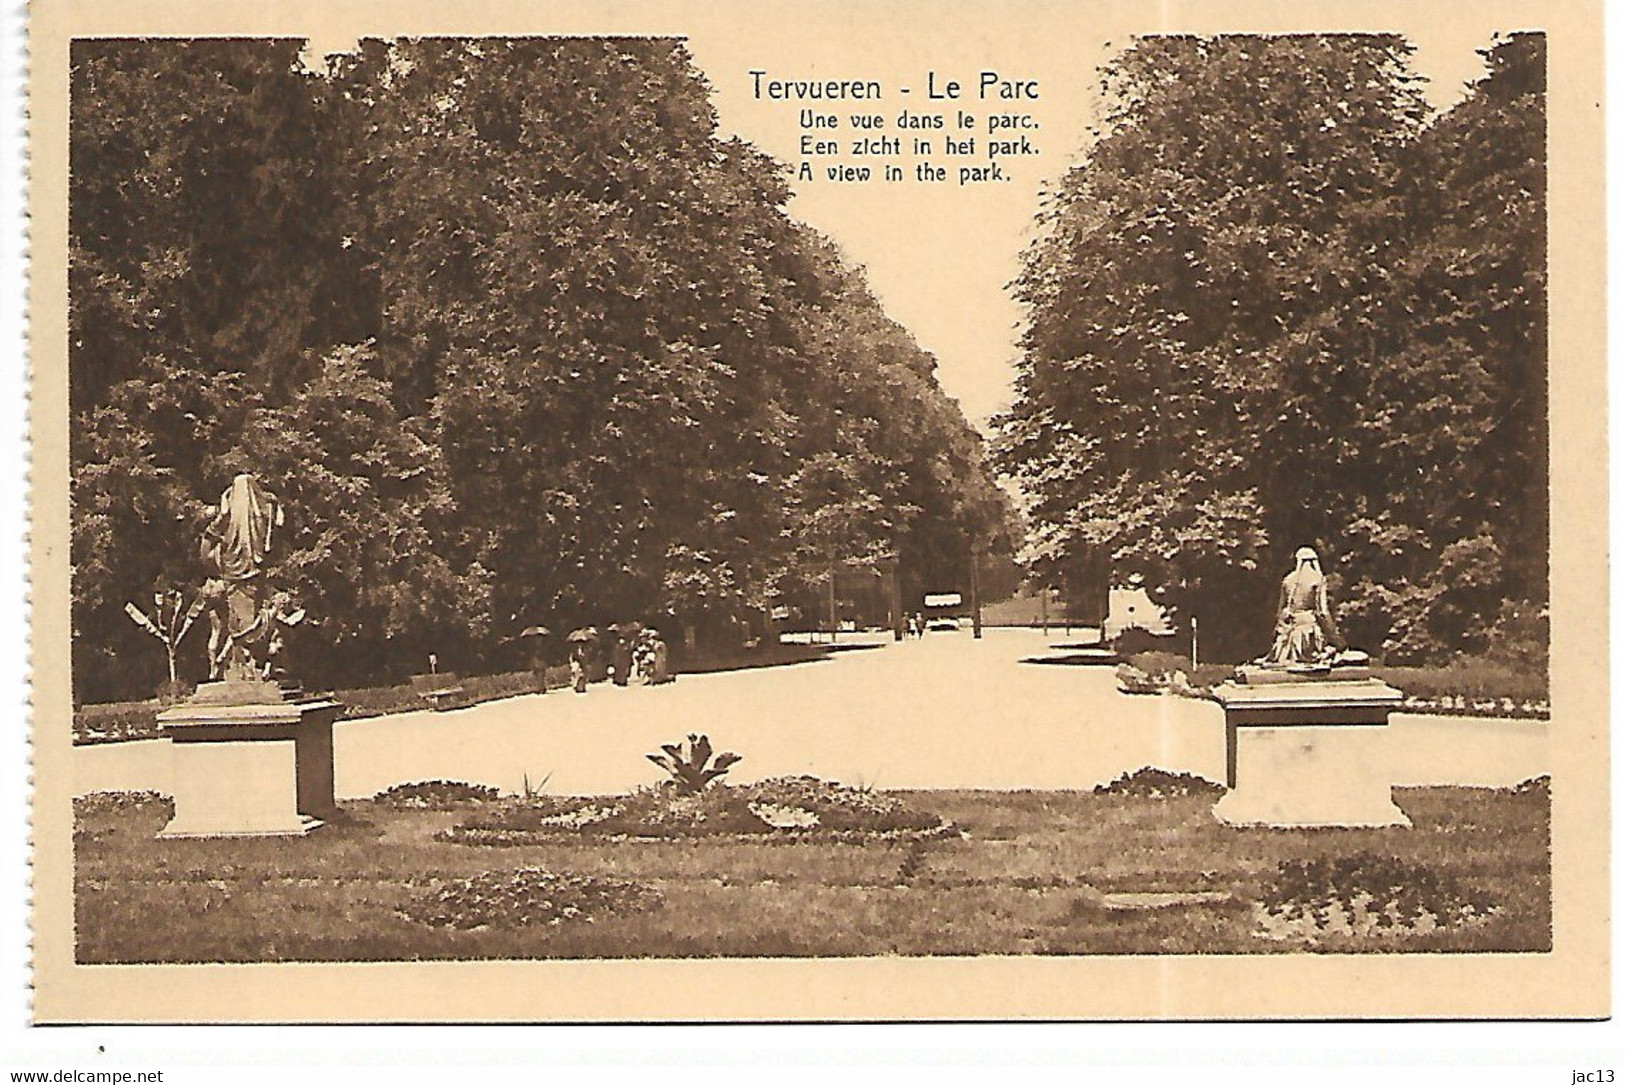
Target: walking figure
column 582, row 644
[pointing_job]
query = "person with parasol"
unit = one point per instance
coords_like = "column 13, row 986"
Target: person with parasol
column 534, row 636
column 583, row 646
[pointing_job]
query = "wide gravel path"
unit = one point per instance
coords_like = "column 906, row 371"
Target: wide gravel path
column 947, row 711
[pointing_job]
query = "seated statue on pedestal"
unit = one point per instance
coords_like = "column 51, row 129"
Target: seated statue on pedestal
column 1298, row 748
column 1304, row 631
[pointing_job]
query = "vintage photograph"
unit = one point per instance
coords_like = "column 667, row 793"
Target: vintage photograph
column 636, row 497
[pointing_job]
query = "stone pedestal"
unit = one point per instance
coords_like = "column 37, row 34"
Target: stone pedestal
column 1303, row 751
column 250, row 759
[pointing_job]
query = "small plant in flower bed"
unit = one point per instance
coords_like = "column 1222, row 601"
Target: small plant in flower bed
column 528, row 897
column 435, row 794
column 1364, row 894
column 784, row 805
column 690, row 765
column 1150, row 783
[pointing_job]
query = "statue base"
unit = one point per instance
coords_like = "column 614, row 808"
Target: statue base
column 1272, row 674
column 1301, row 752
column 250, row 759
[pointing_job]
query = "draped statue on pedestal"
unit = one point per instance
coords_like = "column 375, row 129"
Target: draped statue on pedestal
column 245, row 615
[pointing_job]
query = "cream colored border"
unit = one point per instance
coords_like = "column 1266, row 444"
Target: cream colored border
column 1572, row 981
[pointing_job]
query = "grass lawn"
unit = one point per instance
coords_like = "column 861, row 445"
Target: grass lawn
column 1036, row 872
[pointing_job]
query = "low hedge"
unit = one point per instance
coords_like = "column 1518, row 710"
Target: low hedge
column 1154, row 664
column 1473, row 680
column 477, row 689
column 128, row 720
column 1469, row 687
column 118, row 722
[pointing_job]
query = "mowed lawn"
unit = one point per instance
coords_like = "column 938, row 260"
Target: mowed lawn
column 1035, row 872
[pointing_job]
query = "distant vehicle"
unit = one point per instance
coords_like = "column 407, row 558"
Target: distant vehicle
column 941, row 624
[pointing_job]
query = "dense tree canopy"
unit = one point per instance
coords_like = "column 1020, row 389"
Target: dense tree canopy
column 1278, row 304
column 515, row 335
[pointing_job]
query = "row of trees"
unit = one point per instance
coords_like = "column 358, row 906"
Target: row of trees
column 1279, row 302
column 515, row 336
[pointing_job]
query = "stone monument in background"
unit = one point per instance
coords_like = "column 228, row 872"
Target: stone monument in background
column 1303, row 724
column 251, row 754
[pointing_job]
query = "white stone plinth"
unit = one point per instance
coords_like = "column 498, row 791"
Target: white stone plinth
column 250, row 770
column 1307, row 754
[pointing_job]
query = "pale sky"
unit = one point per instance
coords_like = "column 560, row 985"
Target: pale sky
column 940, row 255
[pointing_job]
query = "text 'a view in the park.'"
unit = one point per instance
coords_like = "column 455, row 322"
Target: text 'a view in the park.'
column 590, row 497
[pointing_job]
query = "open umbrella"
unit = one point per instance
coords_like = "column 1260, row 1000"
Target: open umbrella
column 535, row 631
column 586, row 633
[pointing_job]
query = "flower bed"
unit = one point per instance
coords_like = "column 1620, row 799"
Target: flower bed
column 119, row 803
column 435, row 794
column 787, row 806
column 1364, row 895
column 1457, row 705
column 527, row 897
column 1150, row 783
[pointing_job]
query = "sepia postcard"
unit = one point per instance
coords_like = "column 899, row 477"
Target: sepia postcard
column 940, row 511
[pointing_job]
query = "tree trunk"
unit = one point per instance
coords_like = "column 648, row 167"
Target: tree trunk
column 834, row 617
column 894, row 601
column 976, row 593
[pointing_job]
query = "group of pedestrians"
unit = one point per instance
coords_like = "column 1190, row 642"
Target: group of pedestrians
column 633, row 651
column 916, row 626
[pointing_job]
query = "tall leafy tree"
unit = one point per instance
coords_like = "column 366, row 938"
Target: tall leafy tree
column 564, row 245
column 195, row 231
column 515, row 335
column 1453, row 557
column 1264, row 312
